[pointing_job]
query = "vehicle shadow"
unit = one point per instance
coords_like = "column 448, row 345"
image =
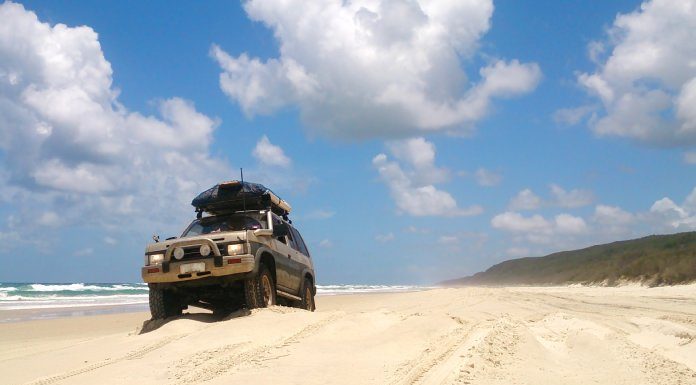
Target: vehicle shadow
column 154, row 324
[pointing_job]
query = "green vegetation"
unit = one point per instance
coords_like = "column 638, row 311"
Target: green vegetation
column 655, row 260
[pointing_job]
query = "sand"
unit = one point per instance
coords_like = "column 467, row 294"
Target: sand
column 567, row 335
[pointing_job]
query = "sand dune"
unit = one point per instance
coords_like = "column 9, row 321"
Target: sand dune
column 569, row 335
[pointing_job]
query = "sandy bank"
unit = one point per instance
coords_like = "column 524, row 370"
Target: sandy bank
column 628, row 335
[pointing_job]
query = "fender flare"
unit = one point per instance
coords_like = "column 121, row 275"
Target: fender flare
column 257, row 257
column 310, row 272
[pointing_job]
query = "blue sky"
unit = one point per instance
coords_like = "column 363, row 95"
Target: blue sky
column 416, row 142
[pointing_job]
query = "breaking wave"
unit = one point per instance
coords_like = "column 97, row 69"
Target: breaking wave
column 19, row 296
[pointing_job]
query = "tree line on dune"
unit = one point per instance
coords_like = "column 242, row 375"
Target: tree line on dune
column 655, row 260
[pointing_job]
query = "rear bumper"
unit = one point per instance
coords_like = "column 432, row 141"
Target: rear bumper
column 237, row 264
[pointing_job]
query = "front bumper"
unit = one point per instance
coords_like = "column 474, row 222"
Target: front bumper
column 237, row 264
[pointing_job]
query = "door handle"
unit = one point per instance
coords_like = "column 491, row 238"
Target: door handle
column 289, row 256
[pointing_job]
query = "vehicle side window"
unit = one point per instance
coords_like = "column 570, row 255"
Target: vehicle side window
column 301, row 247
column 292, row 239
column 277, row 221
column 304, row 245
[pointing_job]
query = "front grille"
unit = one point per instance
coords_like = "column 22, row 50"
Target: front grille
column 193, row 252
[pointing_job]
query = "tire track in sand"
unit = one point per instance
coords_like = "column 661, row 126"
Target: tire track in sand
column 491, row 353
column 135, row 354
column 658, row 367
column 655, row 366
column 192, row 369
column 437, row 352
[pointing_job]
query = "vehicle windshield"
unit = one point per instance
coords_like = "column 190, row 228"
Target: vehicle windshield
column 237, row 222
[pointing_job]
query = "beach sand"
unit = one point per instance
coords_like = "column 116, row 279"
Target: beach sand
column 562, row 335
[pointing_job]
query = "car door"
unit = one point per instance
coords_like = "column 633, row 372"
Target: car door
column 299, row 259
column 283, row 259
column 290, row 266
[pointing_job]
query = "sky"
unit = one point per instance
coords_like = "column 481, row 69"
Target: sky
column 416, row 141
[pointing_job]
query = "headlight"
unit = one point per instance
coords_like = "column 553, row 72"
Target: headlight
column 178, row 253
column 205, row 250
column 155, row 259
column 237, row 248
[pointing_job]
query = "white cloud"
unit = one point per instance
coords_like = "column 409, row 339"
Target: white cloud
column 325, row 244
column 528, row 200
column 448, row 239
column 537, row 229
column 487, row 178
column 419, row 154
column 612, row 215
column 515, row 222
column 384, row 237
column 70, row 147
column 417, row 230
column 49, row 218
column 517, row 252
column 647, row 81
column 110, row 241
column 665, row 215
column 690, row 201
column 269, row 154
column 673, row 216
column 572, row 116
column 568, row 224
column 570, row 199
column 320, row 214
column 525, row 200
column 609, row 223
column 83, row 252
column 690, row 157
column 614, row 220
column 366, row 68
column 412, row 191
column 417, row 151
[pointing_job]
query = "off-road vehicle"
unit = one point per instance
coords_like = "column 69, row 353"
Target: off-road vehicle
column 241, row 250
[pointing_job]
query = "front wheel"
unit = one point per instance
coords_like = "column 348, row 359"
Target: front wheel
column 163, row 303
column 260, row 291
column 307, row 301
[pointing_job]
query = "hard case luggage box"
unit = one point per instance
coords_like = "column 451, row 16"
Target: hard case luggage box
column 228, row 197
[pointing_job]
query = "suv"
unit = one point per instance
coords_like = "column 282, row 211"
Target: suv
column 239, row 254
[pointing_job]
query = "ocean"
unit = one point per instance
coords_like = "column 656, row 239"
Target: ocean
column 21, row 296
column 25, row 296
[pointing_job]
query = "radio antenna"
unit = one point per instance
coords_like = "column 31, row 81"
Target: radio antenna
column 241, row 173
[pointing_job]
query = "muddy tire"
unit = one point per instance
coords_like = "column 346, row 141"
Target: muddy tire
column 307, row 301
column 163, row 303
column 260, row 291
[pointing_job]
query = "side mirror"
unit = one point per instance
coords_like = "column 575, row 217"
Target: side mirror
column 280, row 230
column 155, row 237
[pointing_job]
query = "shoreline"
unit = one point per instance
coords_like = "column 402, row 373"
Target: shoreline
column 33, row 301
column 8, row 316
column 25, row 315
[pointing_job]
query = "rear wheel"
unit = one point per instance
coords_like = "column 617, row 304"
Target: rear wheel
column 163, row 303
column 307, row 301
column 260, row 291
